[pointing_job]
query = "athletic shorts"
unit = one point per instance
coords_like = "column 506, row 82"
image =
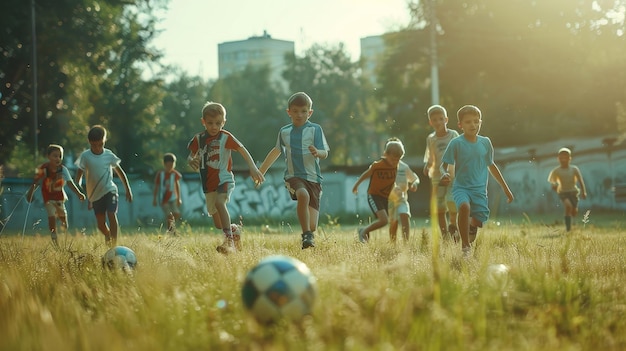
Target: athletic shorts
column 479, row 208
column 377, row 203
column 398, row 208
column 107, row 203
column 223, row 192
column 314, row 190
column 56, row 208
column 572, row 196
column 445, row 200
column 170, row 207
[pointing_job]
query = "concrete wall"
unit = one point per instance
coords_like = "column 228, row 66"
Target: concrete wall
column 525, row 173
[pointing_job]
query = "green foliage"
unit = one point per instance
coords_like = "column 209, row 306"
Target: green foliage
column 538, row 70
column 342, row 102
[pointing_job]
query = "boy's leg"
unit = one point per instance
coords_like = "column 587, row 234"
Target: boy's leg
column 302, row 209
column 393, row 230
column 223, row 217
column 52, row 223
column 406, row 226
column 103, row 227
column 113, row 227
column 464, row 224
column 569, row 213
column 443, row 225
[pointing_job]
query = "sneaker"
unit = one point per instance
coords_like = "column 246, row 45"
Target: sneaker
column 228, row 246
column 363, row 238
column 307, row 240
column 467, row 252
column 236, row 230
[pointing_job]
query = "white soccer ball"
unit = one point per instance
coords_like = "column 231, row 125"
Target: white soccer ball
column 497, row 276
column 279, row 287
column 119, row 257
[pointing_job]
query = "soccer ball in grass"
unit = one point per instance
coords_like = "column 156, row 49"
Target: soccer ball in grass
column 497, row 276
column 279, row 287
column 119, row 257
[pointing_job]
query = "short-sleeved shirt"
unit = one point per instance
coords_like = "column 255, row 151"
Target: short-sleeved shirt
column 294, row 144
column 165, row 182
column 435, row 147
column 383, row 178
column 471, row 162
column 54, row 180
column 404, row 176
column 566, row 178
column 215, row 158
column 98, row 172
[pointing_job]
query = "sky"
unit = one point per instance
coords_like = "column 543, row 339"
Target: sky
column 192, row 29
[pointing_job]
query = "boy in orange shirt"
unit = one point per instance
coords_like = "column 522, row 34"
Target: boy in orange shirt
column 382, row 176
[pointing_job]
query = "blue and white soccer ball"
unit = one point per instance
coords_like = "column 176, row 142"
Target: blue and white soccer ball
column 119, row 257
column 279, row 287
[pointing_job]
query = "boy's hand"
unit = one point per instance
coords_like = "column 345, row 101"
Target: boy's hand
column 129, row 196
column 194, row 162
column 445, row 179
column 555, row 186
column 314, row 151
column 81, row 197
column 257, row 177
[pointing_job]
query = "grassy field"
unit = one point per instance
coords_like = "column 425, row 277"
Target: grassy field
column 564, row 291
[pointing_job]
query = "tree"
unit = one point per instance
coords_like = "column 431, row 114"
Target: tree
column 80, row 45
column 342, row 101
column 534, row 68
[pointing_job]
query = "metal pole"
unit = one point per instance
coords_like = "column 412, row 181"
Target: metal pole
column 434, row 70
column 35, row 83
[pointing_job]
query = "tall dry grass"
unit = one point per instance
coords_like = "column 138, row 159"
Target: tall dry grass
column 563, row 292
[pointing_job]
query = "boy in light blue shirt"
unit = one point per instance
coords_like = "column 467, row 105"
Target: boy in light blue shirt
column 303, row 144
column 472, row 157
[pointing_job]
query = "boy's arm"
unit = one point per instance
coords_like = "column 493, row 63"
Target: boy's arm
column 120, row 173
column 583, row 189
column 429, row 160
column 366, row 174
column 271, row 157
column 319, row 153
column 413, row 179
column 177, row 189
column 445, row 174
column 79, row 176
column 495, row 172
column 156, row 188
column 256, row 175
column 76, row 189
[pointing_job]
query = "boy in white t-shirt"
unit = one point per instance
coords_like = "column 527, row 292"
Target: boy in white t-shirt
column 98, row 164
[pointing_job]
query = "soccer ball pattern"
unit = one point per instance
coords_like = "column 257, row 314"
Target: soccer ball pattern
column 119, row 257
column 279, row 287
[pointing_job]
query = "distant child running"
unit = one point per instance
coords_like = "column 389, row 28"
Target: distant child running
column 472, row 157
column 436, row 144
column 210, row 153
column 382, row 178
column 564, row 180
column 303, row 144
column 97, row 164
column 167, row 191
column 399, row 209
column 54, row 175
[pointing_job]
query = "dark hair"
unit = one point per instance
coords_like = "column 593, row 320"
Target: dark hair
column 300, row 99
column 97, row 133
column 169, row 157
column 54, row 147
